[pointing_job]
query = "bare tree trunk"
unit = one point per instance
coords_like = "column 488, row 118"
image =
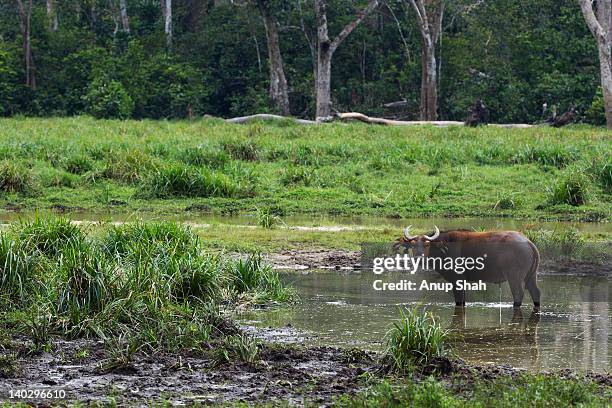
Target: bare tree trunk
column 51, row 16
column 601, row 27
column 429, row 18
column 325, row 52
column 125, row 23
column 168, row 23
column 279, row 91
column 25, row 16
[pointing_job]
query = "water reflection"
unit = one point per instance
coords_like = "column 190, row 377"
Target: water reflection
column 572, row 329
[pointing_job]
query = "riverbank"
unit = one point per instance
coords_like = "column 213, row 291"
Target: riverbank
column 281, row 376
column 208, row 166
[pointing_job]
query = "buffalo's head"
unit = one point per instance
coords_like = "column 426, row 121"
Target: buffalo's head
column 418, row 244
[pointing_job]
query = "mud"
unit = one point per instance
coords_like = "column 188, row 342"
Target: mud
column 301, row 259
column 284, row 375
column 291, row 374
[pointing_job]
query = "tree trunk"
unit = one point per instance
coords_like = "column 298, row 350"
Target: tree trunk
column 25, row 16
column 323, row 84
column 429, row 18
column 125, row 24
column 51, row 16
column 325, row 52
column 601, row 28
column 168, row 23
column 429, row 91
column 279, row 92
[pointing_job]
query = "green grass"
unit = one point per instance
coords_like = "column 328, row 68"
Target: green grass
column 413, row 341
column 153, row 284
column 336, row 169
column 529, row 390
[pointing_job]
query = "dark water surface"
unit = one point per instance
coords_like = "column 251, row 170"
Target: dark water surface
column 572, row 330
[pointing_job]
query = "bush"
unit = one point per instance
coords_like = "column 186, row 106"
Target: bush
column 108, row 99
column 414, row 340
column 572, row 189
column 77, row 164
column 15, row 178
column 596, row 113
column 180, row 181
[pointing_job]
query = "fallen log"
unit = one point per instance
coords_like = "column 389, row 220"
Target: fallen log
column 266, row 116
column 348, row 116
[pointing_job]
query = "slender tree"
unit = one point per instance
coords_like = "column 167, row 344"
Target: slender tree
column 25, row 17
column 429, row 14
column 52, row 16
column 325, row 51
column 166, row 6
column 279, row 91
column 125, row 23
column 601, row 27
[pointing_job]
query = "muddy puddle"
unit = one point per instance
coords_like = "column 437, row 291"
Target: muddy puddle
column 573, row 329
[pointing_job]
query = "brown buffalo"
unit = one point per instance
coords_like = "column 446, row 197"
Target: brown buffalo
column 508, row 256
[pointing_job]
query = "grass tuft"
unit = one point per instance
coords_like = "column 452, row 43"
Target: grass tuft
column 180, row 181
column 571, row 189
column 15, row 178
column 413, row 341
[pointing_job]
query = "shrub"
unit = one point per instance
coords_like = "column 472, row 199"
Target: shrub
column 49, row 236
column 253, row 276
column 413, row 341
column 15, row 178
column 108, row 99
column 601, row 169
column 241, row 149
column 596, row 113
column 507, row 201
column 180, row 181
column 78, row 164
column 127, row 165
column 549, row 155
column 204, row 156
column 572, row 189
column 16, row 268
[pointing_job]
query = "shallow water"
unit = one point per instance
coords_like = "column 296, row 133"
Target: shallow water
column 419, row 224
column 572, row 330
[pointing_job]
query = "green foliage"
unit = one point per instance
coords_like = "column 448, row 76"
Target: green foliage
column 413, row 341
column 180, row 181
column 573, row 188
column 238, row 347
column 150, row 282
column 108, row 99
column 540, row 391
column 596, row 113
column 15, row 177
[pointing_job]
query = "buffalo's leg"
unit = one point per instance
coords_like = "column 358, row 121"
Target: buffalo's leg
column 459, row 297
column 518, row 291
column 458, row 321
column 532, row 286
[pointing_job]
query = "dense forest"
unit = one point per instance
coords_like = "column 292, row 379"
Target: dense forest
column 183, row 58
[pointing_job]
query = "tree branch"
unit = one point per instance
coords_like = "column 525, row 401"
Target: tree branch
column 372, row 4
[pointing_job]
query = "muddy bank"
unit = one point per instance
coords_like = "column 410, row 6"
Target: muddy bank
column 301, row 259
column 283, row 374
column 288, row 374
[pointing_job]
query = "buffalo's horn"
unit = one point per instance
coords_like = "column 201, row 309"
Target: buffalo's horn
column 407, row 233
column 435, row 235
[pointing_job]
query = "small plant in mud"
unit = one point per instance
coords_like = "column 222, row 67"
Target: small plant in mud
column 413, row 341
column 254, row 278
column 267, row 219
column 9, row 365
column 120, row 357
column 237, row 348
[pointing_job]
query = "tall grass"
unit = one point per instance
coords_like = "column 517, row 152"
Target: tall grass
column 15, row 177
column 180, row 181
column 573, row 188
column 153, row 282
column 413, row 341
